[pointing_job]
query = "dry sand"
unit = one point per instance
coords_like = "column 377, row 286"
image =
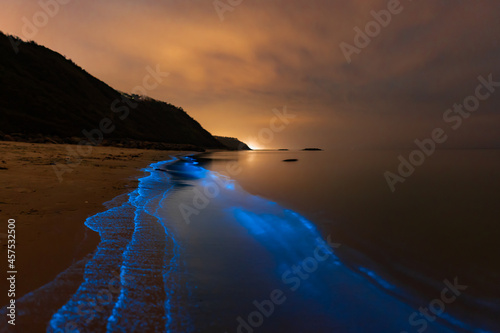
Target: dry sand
column 49, row 213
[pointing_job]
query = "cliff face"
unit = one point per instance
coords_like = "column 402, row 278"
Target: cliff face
column 232, row 143
column 44, row 95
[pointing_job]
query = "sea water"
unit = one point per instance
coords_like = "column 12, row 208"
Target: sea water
column 243, row 242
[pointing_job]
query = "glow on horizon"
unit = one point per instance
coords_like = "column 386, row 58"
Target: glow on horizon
column 254, row 146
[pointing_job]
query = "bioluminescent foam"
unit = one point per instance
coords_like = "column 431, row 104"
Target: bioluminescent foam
column 129, row 275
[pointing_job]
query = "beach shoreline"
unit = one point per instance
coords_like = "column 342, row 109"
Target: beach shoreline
column 49, row 213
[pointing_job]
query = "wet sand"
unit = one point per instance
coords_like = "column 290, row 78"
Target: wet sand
column 50, row 214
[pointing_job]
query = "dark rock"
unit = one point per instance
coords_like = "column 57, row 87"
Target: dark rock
column 232, row 143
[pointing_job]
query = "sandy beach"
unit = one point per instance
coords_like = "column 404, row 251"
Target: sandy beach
column 50, row 214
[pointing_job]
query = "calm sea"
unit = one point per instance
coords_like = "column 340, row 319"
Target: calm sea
column 442, row 222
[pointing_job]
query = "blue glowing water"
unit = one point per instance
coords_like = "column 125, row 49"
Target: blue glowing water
column 191, row 251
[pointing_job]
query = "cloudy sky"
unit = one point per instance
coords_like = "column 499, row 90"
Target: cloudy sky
column 231, row 66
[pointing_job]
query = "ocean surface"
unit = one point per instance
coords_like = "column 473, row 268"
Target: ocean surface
column 244, row 242
column 442, row 222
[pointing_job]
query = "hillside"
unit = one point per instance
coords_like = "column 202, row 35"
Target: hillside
column 232, row 143
column 46, row 98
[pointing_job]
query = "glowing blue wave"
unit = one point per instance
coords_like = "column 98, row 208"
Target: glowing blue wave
column 184, row 224
column 131, row 272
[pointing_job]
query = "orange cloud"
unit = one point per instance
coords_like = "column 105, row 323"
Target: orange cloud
column 266, row 54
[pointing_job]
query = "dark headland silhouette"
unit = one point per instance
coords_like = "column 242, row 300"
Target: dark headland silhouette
column 232, row 143
column 48, row 98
